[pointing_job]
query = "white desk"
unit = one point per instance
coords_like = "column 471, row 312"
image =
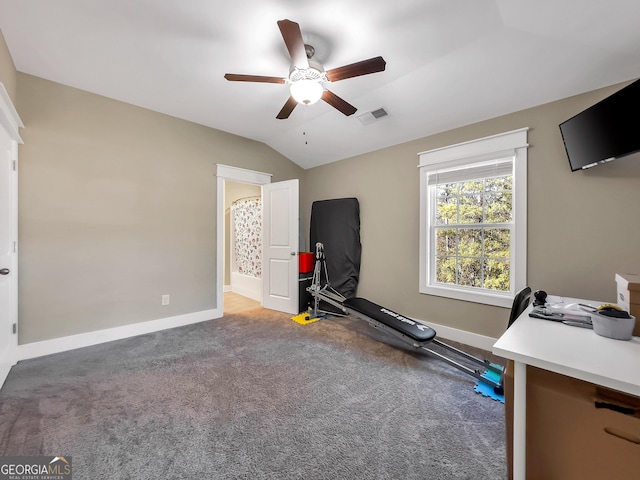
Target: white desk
column 572, row 351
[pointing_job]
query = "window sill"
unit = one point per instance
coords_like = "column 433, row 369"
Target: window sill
column 499, row 300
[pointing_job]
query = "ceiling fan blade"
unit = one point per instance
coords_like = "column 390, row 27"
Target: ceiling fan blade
column 293, row 40
column 338, row 103
column 235, row 77
column 287, row 109
column 365, row 67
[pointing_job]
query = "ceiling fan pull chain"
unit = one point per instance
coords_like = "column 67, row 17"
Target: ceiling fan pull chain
column 304, row 132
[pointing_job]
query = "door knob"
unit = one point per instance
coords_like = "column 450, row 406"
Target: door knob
column 4, row 271
column 293, row 254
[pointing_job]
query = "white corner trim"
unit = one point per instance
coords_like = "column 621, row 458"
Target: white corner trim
column 63, row 344
column 502, row 142
column 242, row 175
column 462, row 336
column 9, row 117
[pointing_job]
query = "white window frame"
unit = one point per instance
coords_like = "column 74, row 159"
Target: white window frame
column 509, row 144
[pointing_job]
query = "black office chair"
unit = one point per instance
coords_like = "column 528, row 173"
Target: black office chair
column 520, row 304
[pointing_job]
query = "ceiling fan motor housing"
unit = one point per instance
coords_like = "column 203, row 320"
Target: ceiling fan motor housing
column 314, row 72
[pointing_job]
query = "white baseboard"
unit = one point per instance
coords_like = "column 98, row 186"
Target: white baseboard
column 63, row 344
column 462, row 336
column 57, row 345
column 250, row 287
column 249, row 293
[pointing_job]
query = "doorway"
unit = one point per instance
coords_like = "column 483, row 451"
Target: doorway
column 232, row 183
column 280, row 237
column 242, row 246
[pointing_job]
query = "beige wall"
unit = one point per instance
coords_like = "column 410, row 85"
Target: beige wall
column 582, row 226
column 7, row 70
column 117, row 206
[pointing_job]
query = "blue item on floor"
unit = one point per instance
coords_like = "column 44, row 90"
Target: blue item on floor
column 487, row 390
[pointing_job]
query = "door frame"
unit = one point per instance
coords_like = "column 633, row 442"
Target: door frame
column 233, row 174
column 11, row 123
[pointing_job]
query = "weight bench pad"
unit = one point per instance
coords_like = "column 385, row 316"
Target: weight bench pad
column 411, row 328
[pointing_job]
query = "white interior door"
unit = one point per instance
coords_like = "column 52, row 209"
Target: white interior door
column 8, row 263
column 280, row 211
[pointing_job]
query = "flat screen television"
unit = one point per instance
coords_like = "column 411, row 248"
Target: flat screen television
column 608, row 130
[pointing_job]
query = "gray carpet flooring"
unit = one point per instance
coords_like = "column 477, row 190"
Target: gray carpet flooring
column 254, row 396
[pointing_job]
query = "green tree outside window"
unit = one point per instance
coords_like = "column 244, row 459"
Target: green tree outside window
column 472, row 245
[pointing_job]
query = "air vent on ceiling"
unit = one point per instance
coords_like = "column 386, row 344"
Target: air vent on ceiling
column 372, row 116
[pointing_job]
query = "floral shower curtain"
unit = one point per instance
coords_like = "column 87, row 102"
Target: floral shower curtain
column 246, row 220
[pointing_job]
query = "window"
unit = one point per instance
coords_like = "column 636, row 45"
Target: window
column 473, row 219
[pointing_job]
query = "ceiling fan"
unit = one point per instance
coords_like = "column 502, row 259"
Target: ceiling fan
column 306, row 76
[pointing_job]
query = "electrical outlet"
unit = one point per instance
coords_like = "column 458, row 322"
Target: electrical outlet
column 165, row 299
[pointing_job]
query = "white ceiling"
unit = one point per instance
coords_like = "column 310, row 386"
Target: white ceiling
column 449, row 62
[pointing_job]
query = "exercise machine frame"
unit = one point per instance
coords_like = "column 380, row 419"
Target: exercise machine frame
column 324, row 292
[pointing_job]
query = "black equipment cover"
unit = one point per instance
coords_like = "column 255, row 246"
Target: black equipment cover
column 336, row 224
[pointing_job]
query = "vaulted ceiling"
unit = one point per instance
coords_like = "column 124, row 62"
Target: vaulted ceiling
column 449, row 62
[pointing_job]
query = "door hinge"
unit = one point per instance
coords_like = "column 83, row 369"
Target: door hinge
column 15, row 328
column 14, row 165
column 15, row 247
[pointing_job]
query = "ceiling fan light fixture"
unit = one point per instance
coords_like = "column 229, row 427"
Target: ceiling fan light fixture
column 306, row 92
column 307, row 77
